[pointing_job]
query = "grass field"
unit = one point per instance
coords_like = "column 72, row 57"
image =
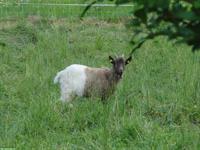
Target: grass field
column 156, row 105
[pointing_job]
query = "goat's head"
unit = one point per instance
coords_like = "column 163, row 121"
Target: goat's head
column 119, row 64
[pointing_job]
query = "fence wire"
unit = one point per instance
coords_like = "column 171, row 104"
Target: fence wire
column 69, row 10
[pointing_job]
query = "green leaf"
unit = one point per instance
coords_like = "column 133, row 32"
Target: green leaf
column 141, row 13
column 186, row 15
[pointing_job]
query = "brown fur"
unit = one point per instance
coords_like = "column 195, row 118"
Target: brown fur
column 100, row 82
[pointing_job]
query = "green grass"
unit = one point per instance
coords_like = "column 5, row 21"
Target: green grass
column 156, row 105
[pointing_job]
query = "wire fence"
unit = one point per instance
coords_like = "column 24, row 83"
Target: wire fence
column 63, row 4
column 69, row 10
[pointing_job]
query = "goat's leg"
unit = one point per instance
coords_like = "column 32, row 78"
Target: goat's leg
column 66, row 97
column 66, row 94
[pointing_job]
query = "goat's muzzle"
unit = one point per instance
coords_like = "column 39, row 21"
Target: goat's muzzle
column 119, row 75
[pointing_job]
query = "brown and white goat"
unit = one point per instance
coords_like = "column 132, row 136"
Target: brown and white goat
column 80, row 80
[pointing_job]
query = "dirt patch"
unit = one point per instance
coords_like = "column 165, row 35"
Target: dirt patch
column 34, row 19
column 96, row 22
column 38, row 20
column 9, row 23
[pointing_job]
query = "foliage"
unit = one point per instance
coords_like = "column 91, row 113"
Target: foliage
column 173, row 18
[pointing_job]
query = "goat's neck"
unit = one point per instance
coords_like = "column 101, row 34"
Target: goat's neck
column 113, row 77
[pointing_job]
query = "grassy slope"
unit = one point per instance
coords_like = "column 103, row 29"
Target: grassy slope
column 156, row 106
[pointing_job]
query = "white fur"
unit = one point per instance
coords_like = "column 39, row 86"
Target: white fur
column 72, row 81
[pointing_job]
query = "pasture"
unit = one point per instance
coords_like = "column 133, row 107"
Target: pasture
column 156, row 105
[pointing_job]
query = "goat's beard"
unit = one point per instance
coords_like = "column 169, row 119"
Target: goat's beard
column 118, row 76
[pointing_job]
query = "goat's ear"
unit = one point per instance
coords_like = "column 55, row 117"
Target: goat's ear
column 128, row 60
column 111, row 59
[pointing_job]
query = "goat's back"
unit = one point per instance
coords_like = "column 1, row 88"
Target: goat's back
column 85, row 81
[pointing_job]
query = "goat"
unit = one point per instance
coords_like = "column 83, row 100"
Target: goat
column 84, row 81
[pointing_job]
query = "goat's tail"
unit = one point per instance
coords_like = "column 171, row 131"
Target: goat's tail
column 57, row 78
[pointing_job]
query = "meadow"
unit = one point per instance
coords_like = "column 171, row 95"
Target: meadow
column 156, row 105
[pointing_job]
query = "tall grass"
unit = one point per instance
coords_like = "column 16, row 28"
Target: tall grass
column 156, row 105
